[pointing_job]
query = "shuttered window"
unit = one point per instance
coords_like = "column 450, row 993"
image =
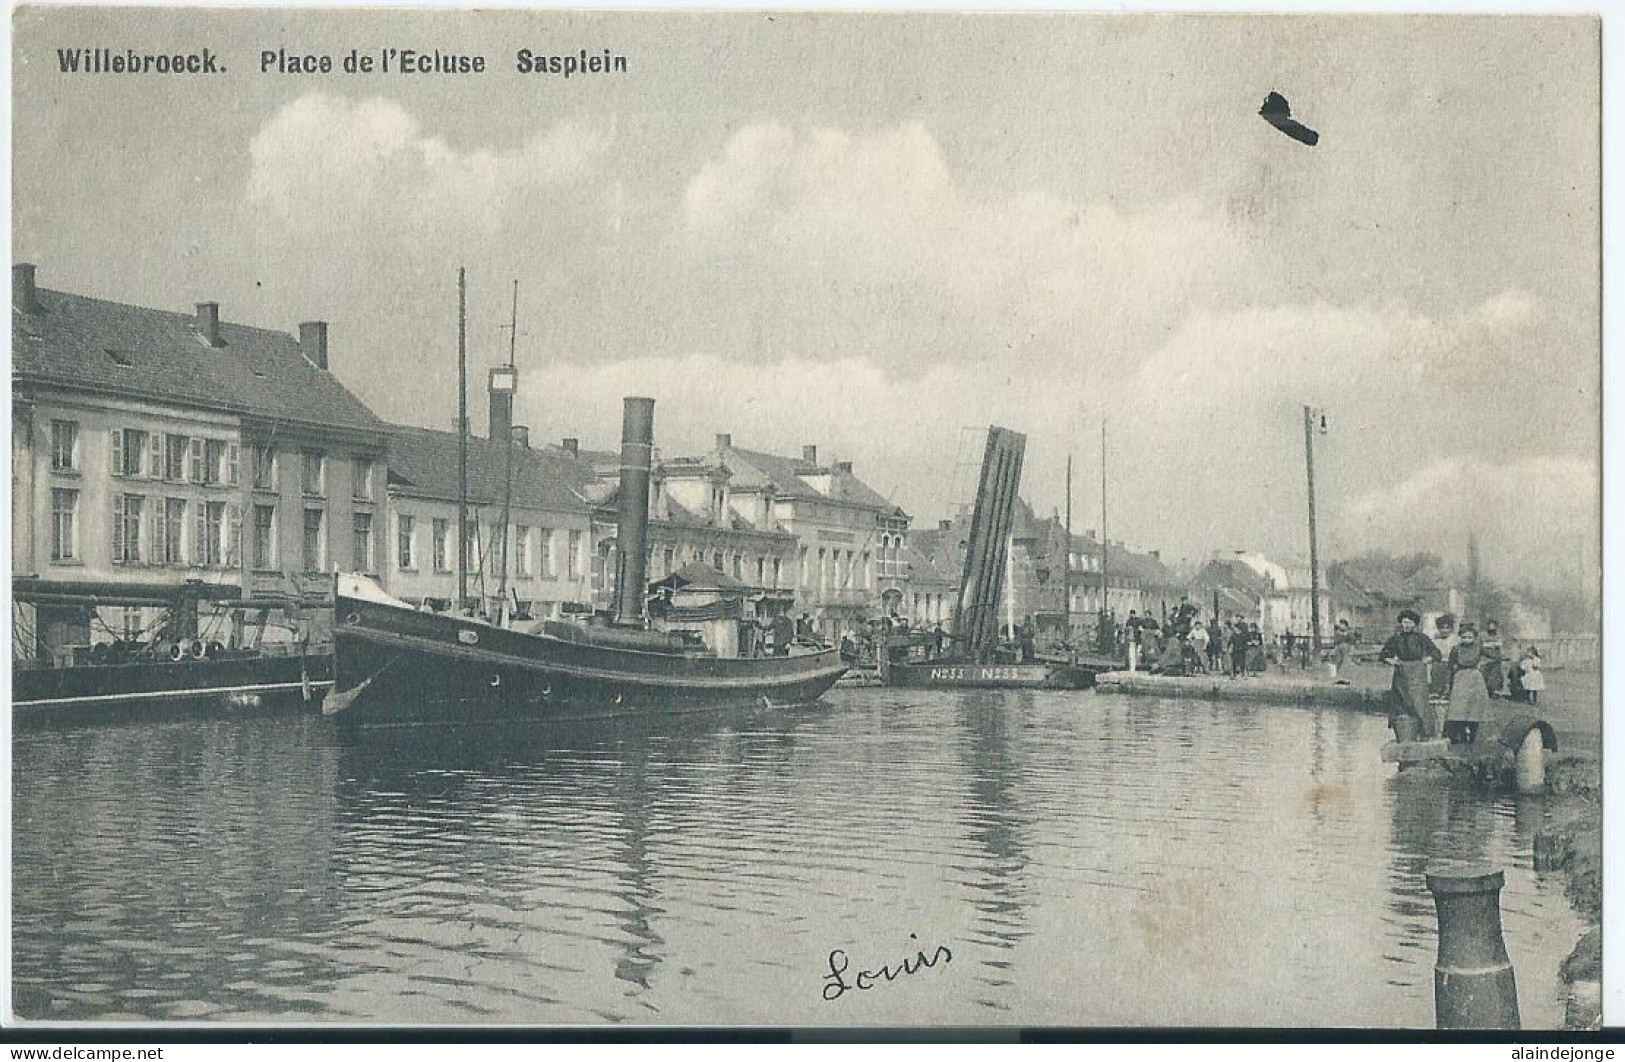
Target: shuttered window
column 127, row 513
column 64, row 524
column 174, row 529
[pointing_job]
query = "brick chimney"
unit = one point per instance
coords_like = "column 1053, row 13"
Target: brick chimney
column 521, row 436
column 313, row 341
column 945, row 525
column 501, row 422
column 724, row 440
column 844, row 466
column 809, row 454
column 208, row 323
column 23, row 295
column 572, row 447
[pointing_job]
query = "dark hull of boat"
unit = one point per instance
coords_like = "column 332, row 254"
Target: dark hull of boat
column 48, row 691
column 395, row 666
column 951, row 675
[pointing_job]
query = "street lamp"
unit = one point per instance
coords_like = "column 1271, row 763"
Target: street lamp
column 1313, row 419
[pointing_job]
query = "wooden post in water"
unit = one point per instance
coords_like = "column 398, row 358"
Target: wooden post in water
column 1473, row 982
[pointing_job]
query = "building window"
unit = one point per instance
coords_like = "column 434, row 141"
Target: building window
column 265, row 536
column 174, row 530
column 544, row 553
column 778, row 567
column 668, row 558
column 175, row 448
column 130, row 452
column 469, row 543
column 866, row 571
column 362, row 526
column 64, row 446
column 573, row 559
column 264, row 468
column 313, row 540
column 739, row 567
column 214, row 534
column 406, row 543
column 716, row 560
column 521, row 551
column 127, row 528
column 64, row 523
column 805, row 573
column 214, row 462
column 442, row 545
column 361, row 486
column 313, row 473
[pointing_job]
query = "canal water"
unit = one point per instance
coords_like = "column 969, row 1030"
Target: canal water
column 1085, row 859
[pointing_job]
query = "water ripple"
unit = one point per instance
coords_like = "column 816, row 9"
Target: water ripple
column 1088, row 860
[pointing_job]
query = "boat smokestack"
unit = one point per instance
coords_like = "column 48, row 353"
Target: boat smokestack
column 632, row 522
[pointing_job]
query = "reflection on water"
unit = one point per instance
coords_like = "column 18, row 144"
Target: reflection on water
column 1087, row 859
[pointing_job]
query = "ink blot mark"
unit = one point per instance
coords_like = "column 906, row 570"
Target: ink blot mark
column 1278, row 113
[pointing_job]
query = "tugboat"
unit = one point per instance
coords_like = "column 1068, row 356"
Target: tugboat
column 396, row 665
column 977, row 660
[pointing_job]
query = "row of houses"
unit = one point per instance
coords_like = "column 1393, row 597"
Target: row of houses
column 154, row 450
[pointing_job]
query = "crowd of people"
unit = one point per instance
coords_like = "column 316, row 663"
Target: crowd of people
column 1187, row 646
column 1459, row 670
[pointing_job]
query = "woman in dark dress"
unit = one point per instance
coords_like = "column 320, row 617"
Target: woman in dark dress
column 1409, row 650
column 1255, row 648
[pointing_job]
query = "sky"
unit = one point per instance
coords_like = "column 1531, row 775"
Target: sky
column 880, row 234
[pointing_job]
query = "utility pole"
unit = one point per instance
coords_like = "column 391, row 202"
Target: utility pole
column 462, row 438
column 1314, row 555
column 1066, row 560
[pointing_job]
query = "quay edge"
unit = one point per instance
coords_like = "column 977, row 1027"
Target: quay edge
column 1257, row 690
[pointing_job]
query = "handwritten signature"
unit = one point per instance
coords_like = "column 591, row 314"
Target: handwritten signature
column 836, row 985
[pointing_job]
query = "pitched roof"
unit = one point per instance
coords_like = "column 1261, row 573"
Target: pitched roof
column 933, row 556
column 113, row 347
column 754, row 469
column 1146, row 567
column 424, row 463
column 1230, row 575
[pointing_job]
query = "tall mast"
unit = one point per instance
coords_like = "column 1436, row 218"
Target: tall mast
column 1066, row 559
column 462, row 438
column 507, row 452
column 1105, row 547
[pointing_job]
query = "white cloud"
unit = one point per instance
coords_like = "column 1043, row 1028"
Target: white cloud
column 1330, row 355
column 1537, row 518
column 323, row 157
column 912, row 439
column 1052, row 278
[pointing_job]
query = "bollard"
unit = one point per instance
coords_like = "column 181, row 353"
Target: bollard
column 1473, row 983
column 1531, row 765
